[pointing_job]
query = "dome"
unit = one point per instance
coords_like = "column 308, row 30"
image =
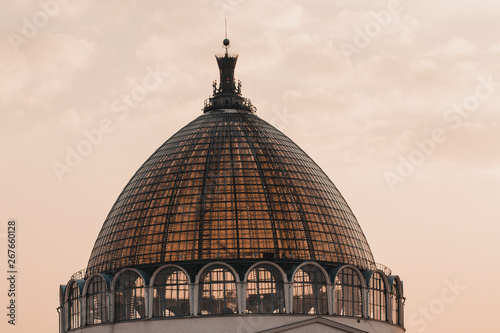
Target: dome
column 231, row 227
column 229, row 186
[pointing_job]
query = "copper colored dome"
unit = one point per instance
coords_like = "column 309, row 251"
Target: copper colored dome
column 229, row 186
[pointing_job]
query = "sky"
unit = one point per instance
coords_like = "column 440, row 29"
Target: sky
column 397, row 101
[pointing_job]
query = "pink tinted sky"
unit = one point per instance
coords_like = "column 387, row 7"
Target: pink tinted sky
column 357, row 104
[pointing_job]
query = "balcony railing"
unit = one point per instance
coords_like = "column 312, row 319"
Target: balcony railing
column 387, row 271
column 79, row 275
column 222, row 102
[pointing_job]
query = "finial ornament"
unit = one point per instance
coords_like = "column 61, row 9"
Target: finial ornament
column 226, row 41
column 227, row 94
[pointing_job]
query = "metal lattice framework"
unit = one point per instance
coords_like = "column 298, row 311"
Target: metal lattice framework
column 229, row 186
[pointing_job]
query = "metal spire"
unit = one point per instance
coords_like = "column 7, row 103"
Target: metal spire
column 226, row 41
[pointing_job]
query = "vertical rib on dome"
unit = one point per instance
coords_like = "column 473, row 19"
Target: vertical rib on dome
column 229, row 186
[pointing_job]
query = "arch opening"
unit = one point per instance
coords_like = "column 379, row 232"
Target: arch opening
column 171, row 293
column 97, row 310
column 377, row 298
column 217, row 292
column 74, row 306
column 348, row 296
column 265, row 290
column 395, row 303
column 130, row 296
column 309, row 291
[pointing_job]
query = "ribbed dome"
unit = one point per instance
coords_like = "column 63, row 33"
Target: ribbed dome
column 229, row 186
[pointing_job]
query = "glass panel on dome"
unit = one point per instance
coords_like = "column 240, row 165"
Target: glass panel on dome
column 265, row 291
column 97, row 301
column 217, row 292
column 229, row 186
column 347, row 295
column 377, row 297
column 74, row 306
column 171, row 293
column 309, row 291
column 130, row 297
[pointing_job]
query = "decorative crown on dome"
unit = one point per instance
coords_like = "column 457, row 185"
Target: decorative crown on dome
column 227, row 94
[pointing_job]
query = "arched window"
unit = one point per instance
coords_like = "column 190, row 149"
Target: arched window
column 171, row 293
column 218, row 291
column 395, row 300
column 97, row 301
column 377, row 300
column 265, row 290
column 348, row 301
column 62, row 309
column 130, row 299
column 74, row 306
column 309, row 291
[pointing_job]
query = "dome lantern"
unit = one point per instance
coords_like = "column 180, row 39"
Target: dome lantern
column 227, row 95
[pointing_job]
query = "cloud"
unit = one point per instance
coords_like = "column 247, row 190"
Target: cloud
column 454, row 47
column 44, row 69
column 494, row 48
